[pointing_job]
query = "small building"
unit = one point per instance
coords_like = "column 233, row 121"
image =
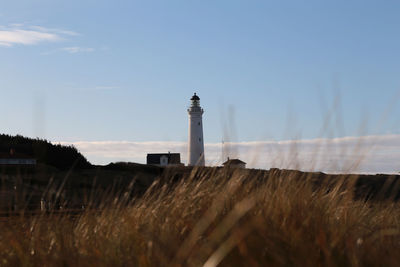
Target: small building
column 164, row 159
column 14, row 158
column 234, row 163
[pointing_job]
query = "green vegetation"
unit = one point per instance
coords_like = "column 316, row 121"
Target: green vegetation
column 212, row 217
column 58, row 156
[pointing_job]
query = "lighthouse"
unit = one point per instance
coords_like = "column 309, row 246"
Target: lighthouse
column 195, row 141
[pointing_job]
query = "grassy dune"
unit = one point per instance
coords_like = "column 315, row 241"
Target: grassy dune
column 212, row 217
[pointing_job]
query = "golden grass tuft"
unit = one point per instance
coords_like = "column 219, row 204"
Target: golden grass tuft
column 214, row 217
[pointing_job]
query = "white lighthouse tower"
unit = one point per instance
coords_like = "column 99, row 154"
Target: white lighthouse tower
column 196, row 142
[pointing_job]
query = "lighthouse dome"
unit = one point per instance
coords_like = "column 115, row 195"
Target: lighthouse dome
column 195, row 97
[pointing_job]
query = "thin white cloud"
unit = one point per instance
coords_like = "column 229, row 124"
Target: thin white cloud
column 17, row 25
column 70, row 50
column 26, row 37
column 19, row 34
column 368, row 154
column 57, row 31
column 77, row 49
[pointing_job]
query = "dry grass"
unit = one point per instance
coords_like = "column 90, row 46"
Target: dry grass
column 210, row 218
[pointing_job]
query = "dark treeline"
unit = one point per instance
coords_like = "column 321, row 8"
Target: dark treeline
column 59, row 156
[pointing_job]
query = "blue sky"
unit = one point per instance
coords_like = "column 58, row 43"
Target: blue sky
column 125, row 70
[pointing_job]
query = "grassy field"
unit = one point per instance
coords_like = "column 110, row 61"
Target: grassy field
column 215, row 217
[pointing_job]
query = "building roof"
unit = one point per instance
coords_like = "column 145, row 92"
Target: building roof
column 195, row 97
column 173, row 158
column 233, row 161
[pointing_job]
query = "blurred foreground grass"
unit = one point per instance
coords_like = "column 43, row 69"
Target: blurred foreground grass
column 212, row 217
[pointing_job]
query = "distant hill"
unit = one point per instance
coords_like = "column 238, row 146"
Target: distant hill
column 59, row 156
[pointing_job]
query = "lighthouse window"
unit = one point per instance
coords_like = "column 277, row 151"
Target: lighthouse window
column 199, row 123
column 200, row 139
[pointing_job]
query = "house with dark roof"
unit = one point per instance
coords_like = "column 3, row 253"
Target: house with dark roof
column 164, row 159
column 234, row 163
